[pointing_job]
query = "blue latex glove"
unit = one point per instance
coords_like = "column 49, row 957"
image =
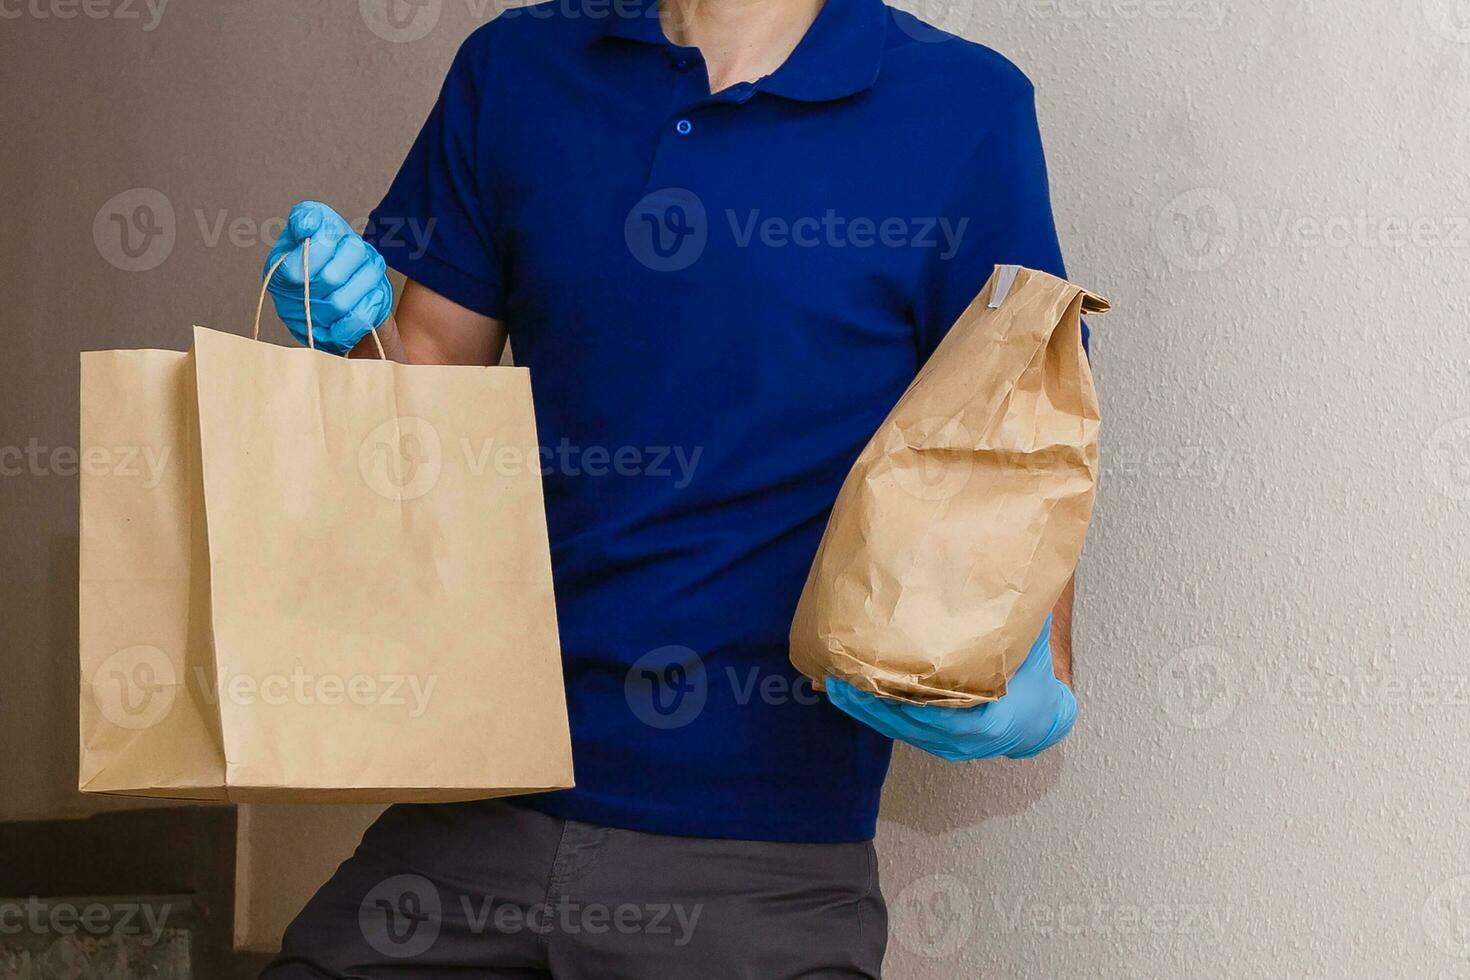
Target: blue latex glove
column 1036, row 713
column 350, row 292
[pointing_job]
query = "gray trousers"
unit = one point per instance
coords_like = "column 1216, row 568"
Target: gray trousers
column 490, row 889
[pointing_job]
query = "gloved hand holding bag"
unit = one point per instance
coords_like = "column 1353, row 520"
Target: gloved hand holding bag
column 962, row 521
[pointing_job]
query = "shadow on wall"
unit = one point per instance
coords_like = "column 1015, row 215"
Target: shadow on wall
column 937, row 797
column 38, row 604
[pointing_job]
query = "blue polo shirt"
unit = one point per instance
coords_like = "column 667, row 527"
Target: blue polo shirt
column 719, row 297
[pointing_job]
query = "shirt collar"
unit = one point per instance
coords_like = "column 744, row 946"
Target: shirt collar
column 840, row 55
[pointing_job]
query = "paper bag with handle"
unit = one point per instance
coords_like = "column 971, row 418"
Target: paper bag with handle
column 334, row 586
column 961, row 522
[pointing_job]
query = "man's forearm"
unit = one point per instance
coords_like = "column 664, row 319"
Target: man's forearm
column 427, row 328
column 1061, row 633
column 392, row 344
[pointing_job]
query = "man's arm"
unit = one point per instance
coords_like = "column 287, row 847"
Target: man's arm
column 350, row 291
column 429, row 329
column 1061, row 633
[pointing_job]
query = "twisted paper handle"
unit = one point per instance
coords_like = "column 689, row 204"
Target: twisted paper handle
column 306, row 298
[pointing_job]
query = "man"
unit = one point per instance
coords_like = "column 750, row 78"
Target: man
column 723, row 235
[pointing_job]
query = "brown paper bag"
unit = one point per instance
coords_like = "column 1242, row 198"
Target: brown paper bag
column 320, row 580
column 961, row 522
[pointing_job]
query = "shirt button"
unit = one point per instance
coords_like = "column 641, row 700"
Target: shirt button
column 681, row 64
column 683, row 126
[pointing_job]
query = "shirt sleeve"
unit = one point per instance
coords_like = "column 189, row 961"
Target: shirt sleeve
column 998, row 207
column 435, row 225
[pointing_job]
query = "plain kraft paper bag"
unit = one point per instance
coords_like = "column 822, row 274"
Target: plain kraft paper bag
column 957, row 529
column 334, row 586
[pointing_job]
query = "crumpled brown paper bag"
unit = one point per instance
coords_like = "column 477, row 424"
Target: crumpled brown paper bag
column 963, row 519
column 331, row 582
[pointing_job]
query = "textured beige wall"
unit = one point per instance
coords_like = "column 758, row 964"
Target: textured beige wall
column 1268, row 775
column 216, row 117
